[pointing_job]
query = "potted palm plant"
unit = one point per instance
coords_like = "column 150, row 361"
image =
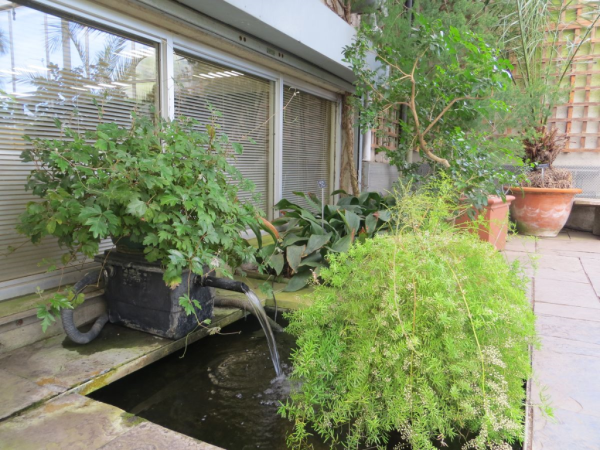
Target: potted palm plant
column 532, row 32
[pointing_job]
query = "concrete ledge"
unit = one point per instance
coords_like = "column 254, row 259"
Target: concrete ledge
column 74, row 421
column 58, row 365
column 20, row 325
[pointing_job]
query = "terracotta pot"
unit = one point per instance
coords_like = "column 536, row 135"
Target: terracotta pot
column 541, row 211
column 495, row 223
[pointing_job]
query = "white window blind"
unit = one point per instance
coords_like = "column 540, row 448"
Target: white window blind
column 51, row 67
column 243, row 102
column 307, row 144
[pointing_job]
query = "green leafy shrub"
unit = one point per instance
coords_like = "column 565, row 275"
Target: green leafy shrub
column 309, row 235
column 423, row 331
column 164, row 186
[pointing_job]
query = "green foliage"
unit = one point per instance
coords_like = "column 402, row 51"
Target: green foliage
column 449, row 81
column 63, row 299
column 530, row 31
column 445, row 83
column 164, row 186
column 477, row 166
column 424, row 331
column 300, row 253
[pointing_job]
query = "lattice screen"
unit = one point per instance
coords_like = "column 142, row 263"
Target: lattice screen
column 579, row 117
column 386, row 135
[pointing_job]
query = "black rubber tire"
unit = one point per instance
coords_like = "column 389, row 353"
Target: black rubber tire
column 66, row 315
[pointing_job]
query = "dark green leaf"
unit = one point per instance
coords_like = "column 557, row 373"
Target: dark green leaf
column 294, row 255
column 276, row 262
column 343, row 245
column 298, row 281
column 316, row 242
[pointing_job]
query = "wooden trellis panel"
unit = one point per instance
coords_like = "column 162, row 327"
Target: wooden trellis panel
column 386, row 135
column 578, row 118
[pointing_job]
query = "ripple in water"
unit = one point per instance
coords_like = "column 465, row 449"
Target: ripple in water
column 222, row 392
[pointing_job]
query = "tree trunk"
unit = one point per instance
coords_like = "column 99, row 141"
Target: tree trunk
column 348, row 175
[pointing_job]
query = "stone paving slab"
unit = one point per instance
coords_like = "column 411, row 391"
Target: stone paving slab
column 68, row 422
column 592, row 270
column 17, row 393
column 591, row 245
column 57, row 361
column 584, row 331
column 567, row 365
column 566, row 293
column 560, row 268
column 73, row 421
column 568, row 312
column 568, row 431
column 516, row 243
column 573, row 388
column 59, row 365
column 149, row 436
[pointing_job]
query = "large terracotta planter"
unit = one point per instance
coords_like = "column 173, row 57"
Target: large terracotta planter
column 542, row 211
column 494, row 226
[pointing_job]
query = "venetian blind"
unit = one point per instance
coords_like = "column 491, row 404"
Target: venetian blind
column 306, row 144
column 54, row 68
column 243, row 105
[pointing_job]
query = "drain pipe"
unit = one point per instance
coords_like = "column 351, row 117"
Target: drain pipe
column 236, row 286
column 66, row 315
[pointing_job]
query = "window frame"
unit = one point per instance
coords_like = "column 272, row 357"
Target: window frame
column 167, row 43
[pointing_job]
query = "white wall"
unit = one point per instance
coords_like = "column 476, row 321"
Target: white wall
column 306, row 28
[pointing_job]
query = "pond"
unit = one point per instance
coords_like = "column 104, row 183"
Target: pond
column 223, row 391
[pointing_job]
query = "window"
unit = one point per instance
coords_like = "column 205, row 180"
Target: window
column 54, row 68
column 307, row 144
column 243, row 103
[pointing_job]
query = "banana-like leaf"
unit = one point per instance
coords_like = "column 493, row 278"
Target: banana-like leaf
column 298, row 281
column 352, row 222
column 276, row 262
column 315, row 257
column 294, row 256
column 292, row 238
column 286, row 204
column 384, row 215
column 371, row 224
column 316, row 241
column 256, row 230
column 311, row 199
column 343, row 245
column 339, row 191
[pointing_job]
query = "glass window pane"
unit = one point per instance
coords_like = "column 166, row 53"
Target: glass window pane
column 52, row 67
column 306, row 144
column 244, row 104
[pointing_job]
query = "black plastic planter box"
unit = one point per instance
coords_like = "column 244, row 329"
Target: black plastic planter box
column 138, row 297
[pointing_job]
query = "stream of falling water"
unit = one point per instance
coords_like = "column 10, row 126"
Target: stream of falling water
column 261, row 315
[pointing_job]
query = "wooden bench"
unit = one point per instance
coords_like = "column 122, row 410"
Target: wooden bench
column 587, row 201
column 591, row 202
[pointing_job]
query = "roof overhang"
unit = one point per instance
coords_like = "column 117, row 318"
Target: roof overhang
column 307, row 29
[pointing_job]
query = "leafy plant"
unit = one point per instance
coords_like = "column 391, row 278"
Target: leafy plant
column 478, row 167
column 164, row 186
column 300, row 253
column 423, row 331
column 447, row 83
column 531, row 31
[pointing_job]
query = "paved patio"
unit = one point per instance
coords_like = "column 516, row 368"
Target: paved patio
column 43, row 386
column 42, row 402
column 565, row 292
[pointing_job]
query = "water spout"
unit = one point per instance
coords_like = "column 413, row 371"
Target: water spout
column 261, row 315
column 257, row 310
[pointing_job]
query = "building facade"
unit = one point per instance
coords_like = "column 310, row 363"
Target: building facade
column 273, row 69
